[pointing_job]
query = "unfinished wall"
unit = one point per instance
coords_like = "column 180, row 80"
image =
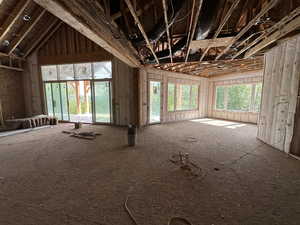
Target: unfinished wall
column 125, row 98
column 11, row 94
column 146, row 75
column 34, row 102
column 280, row 91
column 239, row 78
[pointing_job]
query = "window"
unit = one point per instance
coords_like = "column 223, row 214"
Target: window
column 171, row 97
column 66, row 72
column 239, row 98
column 102, row 70
column 49, row 73
column 83, row 71
column 244, row 98
column 185, row 96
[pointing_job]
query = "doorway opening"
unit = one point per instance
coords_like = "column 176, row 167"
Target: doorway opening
column 82, row 100
column 155, row 102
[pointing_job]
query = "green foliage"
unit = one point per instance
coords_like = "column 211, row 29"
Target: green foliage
column 239, row 97
column 171, row 97
column 220, row 92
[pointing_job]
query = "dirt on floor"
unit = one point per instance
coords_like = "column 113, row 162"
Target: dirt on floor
column 50, row 178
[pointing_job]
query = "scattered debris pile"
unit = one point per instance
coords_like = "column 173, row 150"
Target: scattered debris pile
column 183, row 160
column 83, row 135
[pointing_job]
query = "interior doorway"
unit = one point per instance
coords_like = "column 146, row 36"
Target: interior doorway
column 155, row 102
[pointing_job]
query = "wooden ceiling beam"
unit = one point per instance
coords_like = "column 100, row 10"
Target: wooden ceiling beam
column 86, row 18
column 223, row 23
column 41, row 37
column 141, row 28
column 193, row 29
column 263, row 11
column 291, row 26
column 210, row 43
column 11, row 19
column 167, row 29
column 264, row 34
column 25, row 31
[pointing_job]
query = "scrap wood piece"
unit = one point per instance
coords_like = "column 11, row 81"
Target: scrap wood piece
column 82, row 135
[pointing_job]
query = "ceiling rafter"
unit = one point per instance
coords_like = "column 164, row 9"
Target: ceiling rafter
column 194, row 29
column 12, row 19
column 223, row 23
column 26, row 30
column 91, row 21
column 141, row 28
column 167, row 28
column 41, row 37
column 263, row 11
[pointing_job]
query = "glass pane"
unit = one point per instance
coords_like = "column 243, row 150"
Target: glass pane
column 79, row 93
column 48, row 92
column 257, row 99
column 154, row 102
column 64, row 98
column 102, row 101
column 66, row 72
column 183, row 97
column 56, row 100
column 171, row 97
column 102, row 70
column 220, row 98
column 194, row 97
column 83, row 71
column 49, row 73
column 239, row 97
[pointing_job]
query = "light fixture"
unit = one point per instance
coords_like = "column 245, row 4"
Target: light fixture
column 6, row 43
column 26, row 17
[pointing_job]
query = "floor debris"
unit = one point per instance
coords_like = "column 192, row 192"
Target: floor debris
column 83, row 135
column 183, row 160
column 172, row 220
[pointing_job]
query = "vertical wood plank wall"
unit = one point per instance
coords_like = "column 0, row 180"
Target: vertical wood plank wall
column 242, row 78
column 280, row 91
column 69, row 46
column 153, row 74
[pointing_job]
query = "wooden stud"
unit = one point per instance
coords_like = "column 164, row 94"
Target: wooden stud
column 264, row 10
column 140, row 26
column 167, row 29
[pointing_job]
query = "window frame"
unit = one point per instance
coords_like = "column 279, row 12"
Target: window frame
column 226, row 87
column 175, row 98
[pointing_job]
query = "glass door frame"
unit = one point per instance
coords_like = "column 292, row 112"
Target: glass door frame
column 60, row 93
column 92, row 99
column 149, row 102
column 94, row 104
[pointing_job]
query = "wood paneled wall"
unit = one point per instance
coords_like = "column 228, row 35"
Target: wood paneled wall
column 67, row 45
column 125, row 94
column 280, row 91
column 154, row 74
column 241, row 78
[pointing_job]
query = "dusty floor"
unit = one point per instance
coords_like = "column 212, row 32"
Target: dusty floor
column 48, row 178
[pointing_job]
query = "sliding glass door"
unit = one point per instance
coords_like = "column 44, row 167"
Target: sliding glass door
column 79, row 92
column 102, row 101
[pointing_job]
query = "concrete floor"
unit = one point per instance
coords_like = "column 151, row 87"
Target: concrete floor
column 49, row 178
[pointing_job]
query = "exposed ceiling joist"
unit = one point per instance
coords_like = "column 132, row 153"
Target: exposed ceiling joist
column 263, row 11
column 138, row 12
column 266, row 33
column 26, row 30
column 225, row 20
column 141, row 28
column 294, row 24
column 11, row 20
column 93, row 23
column 167, row 29
column 193, row 29
column 210, row 43
column 41, row 37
